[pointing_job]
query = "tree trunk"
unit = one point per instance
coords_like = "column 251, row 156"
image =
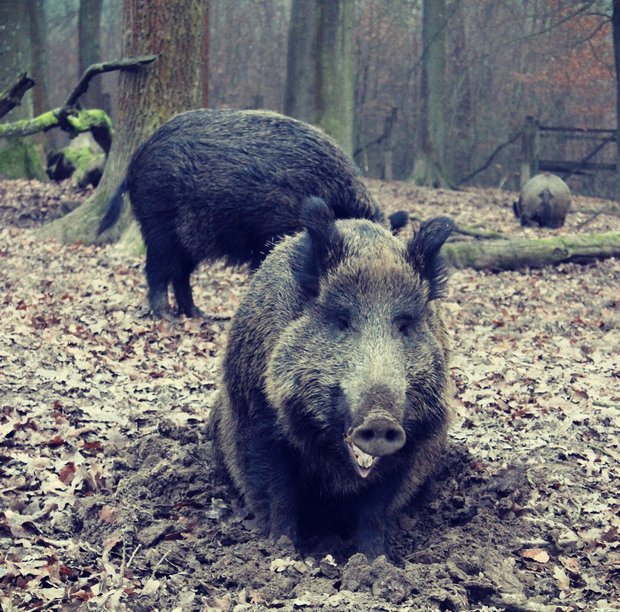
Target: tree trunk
column 615, row 28
column 319, row 81
column 522, row 253
column 89, row 42
column 19, row 157
column 429, row 166
column 147, row 98
column 39, row 68
column 204, row 67
column 301, row 88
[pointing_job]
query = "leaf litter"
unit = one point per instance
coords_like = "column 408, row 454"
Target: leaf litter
column 110, row 499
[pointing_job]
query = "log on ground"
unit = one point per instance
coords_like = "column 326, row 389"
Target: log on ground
column 522, row 253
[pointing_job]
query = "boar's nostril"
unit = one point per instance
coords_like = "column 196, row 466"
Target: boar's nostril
column 391, row 435
column 379, row 436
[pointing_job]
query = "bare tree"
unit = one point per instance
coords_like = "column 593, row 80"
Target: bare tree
column 615, row 21
column 429, row 168
column 89, row 41
column 19, row 157
column 40, row 67
column 319, row 81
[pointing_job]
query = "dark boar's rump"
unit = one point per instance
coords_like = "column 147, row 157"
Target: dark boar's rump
column 213, row 184
column 335, row 399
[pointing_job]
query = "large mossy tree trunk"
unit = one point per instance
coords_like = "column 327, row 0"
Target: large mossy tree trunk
column 147, row 98
column 515, row 254
column 19, row 157
column 429, row 166
column 319, row 81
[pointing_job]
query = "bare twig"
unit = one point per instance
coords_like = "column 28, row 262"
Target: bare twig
column 590, row 219
column 128, row 63
column 482, row 168
column 133, row 554
column 159, row 563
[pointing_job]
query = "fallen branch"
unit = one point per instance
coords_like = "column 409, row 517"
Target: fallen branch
column 522, row 253
column 13, row 94
column 480, row 234
column 70, row 117
column 75, row 122
column 474, row 232
column 613, row 211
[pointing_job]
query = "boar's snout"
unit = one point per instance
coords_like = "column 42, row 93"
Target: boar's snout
column 379, row 435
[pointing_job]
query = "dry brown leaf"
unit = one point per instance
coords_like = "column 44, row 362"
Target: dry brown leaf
column 535, row 554
column 108, row 514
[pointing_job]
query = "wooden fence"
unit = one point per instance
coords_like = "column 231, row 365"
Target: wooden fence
column 565, row 151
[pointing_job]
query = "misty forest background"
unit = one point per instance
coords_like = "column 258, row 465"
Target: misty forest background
column 500, row 63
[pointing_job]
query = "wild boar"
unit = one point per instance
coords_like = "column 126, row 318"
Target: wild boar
column 227, row 184
column 544, row 201
column 336, row 392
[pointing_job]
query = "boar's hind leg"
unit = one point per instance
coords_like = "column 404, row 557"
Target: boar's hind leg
column 166, row 261
column 182, row 289
column 157, row 277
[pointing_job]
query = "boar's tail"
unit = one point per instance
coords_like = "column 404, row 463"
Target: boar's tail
column 398, row 220
column 113, row 212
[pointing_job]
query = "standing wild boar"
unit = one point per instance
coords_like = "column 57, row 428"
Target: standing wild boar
column 227, row 184
column 335, row 399
column 544, row 201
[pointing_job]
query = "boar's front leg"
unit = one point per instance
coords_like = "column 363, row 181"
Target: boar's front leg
column 283, row 511
column 371, row 532
column 271, row 486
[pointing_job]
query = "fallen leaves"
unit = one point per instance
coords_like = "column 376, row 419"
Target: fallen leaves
column 87, row 375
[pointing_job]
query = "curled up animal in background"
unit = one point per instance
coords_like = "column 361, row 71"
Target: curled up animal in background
column 543, row 201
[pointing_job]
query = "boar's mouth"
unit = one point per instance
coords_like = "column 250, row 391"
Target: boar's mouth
column 362, row 461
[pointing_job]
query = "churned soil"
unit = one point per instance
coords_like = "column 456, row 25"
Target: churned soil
column 110, row 498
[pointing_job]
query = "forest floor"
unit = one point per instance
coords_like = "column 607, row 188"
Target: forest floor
column 109, row 497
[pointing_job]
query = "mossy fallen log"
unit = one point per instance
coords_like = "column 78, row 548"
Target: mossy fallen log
column 523, row 253
column 93, row 120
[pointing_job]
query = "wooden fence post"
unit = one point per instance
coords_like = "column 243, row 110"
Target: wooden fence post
column 529, row 149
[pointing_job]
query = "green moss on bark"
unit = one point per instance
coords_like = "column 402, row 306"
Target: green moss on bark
column 21, row 158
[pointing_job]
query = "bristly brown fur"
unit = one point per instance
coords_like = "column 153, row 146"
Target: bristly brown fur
column 544, row 201
column 303, row 367
column 227, row 184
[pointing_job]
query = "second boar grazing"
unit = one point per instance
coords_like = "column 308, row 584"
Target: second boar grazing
column 335, row 402
column 226, row 184
column 544, row 201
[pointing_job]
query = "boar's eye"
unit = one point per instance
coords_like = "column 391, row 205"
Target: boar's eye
column 343, row 322
column 404, row 325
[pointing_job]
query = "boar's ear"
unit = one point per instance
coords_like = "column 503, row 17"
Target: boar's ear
column 321, row 248
column 423, row 250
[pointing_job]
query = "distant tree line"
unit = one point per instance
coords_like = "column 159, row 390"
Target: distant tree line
column 498, row 62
